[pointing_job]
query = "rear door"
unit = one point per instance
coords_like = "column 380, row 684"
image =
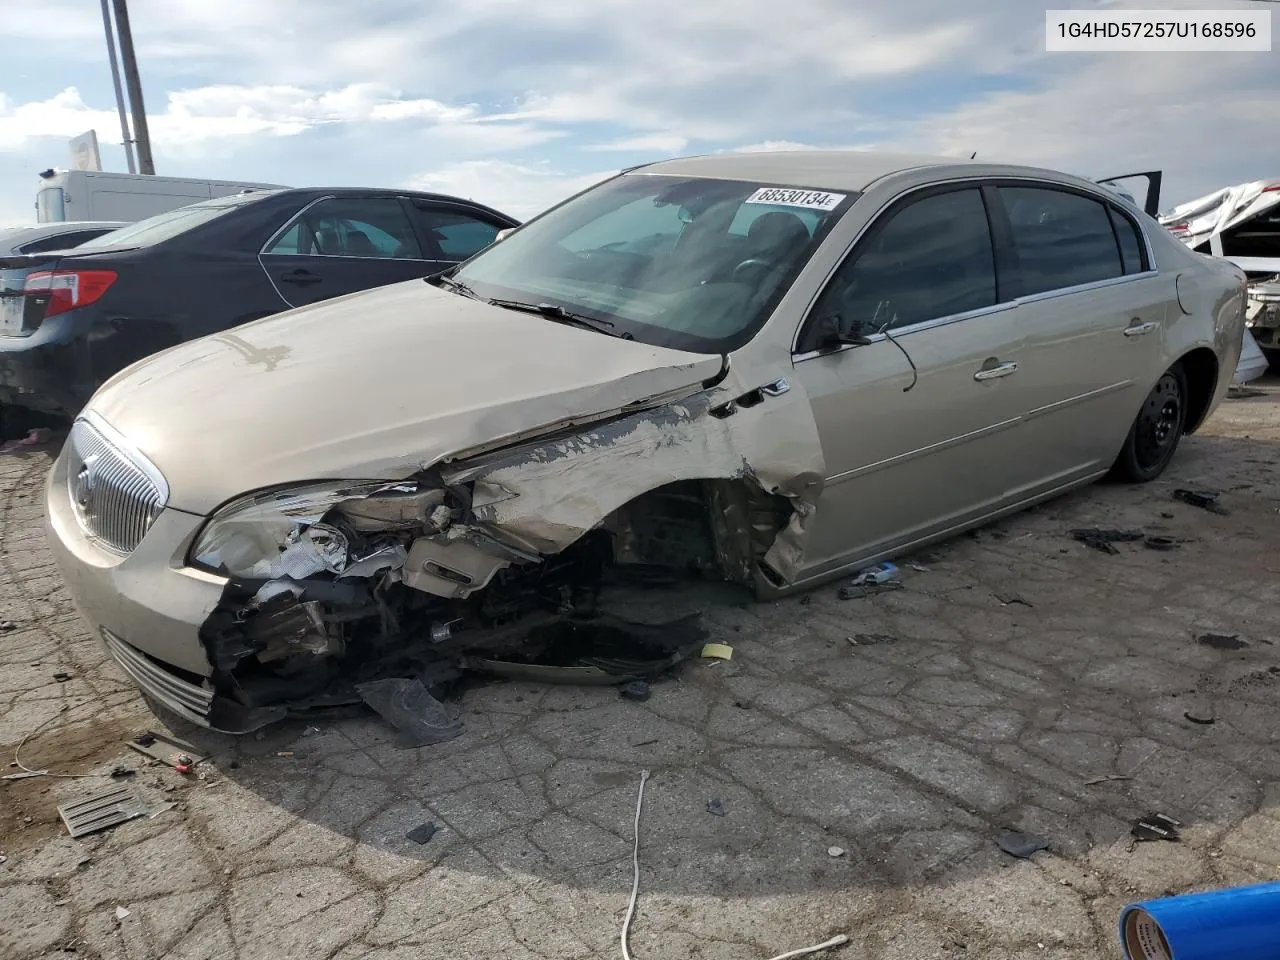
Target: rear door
column 343, row 244
column 1093, row 308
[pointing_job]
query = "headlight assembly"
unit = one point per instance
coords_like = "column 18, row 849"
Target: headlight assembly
column 278, row 533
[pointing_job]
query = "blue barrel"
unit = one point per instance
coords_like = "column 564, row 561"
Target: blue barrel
column 1239, row 923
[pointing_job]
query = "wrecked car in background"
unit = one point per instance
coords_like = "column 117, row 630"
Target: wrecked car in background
column 763, row 369
column 1241, row 224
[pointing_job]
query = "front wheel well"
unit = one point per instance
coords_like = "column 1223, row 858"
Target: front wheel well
column 1200, row 367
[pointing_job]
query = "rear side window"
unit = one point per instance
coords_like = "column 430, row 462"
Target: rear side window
column 1130, row 241
column 452, row 234
column 61, row 241
column 366, row 227
column 167, row 225
column 931, row 259
column 1063, row 239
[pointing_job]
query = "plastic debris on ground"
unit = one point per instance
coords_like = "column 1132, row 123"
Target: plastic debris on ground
column 1202, row 717
column 1161, row 543
column 1021, row 845
column 167, row 749
column 1101, row 538
column 870, row 581
column 1011, row 599
column 101, row 811
column 1222, row 641
column 716, row 808
column 417, row 717
column 421, row 834
column 870, row 639
column 1156, row 826
column 637, row 690
column 835, row 851
column 717, row 651
column 1204, row 499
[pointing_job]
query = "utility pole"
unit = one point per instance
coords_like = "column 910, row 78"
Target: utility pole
column 130, row 63
column 127, row 138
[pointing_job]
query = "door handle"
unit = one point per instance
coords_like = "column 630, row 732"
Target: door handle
column 993, row 373
column 300, row 277
column 1137, row 329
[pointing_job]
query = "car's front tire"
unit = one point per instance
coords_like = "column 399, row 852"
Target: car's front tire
column 1153, row 438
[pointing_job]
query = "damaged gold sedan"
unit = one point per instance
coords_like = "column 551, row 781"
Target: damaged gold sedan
column 766, row 369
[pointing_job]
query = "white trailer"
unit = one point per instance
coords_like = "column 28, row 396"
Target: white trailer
column 66, row 195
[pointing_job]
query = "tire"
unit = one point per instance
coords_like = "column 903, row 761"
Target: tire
column 1153, row 438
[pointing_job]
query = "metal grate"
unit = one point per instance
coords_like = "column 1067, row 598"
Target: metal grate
column 116, row 499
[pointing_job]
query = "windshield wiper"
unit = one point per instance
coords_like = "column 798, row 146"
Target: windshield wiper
column 457, row 286
column 553, row 311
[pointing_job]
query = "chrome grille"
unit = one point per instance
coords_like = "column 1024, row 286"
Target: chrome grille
column 115, row 493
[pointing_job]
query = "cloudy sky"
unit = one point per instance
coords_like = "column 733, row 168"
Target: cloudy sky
column 519, row 103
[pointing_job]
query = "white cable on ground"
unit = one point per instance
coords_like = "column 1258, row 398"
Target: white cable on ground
column 635, row 893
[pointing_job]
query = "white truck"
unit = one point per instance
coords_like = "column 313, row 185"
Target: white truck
column 100, row 195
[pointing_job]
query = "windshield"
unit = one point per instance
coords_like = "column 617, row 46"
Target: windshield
column 164, row 226
column 694, row 264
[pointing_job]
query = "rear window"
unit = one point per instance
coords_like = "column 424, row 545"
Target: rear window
column 171, row 223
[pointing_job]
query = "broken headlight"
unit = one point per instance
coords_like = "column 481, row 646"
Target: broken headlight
column 279, row 533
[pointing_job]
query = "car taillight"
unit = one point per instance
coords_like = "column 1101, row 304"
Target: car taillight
column 68, row 289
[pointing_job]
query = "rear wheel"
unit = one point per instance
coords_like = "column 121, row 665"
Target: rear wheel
column 1156, row 430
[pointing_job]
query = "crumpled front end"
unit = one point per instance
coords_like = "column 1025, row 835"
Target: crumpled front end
column 474, row 559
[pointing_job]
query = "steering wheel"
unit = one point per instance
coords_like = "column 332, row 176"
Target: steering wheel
column 746, row 266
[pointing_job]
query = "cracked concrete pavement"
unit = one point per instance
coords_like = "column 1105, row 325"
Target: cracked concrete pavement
column 909, row 729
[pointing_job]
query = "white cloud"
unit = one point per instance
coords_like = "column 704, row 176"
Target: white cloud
column 664, row 143
column 521, row 190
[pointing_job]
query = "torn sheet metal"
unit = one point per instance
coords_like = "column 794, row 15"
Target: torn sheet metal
column 544, row 496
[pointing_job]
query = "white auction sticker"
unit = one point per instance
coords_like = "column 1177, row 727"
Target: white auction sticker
column 1152, row 31
column 787, row 197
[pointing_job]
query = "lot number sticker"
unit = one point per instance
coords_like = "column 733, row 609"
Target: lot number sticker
column 809, row 199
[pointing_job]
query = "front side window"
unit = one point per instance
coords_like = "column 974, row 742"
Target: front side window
column 1062, row 239
column 692, row 263
column 375, row 227
column 931, row 258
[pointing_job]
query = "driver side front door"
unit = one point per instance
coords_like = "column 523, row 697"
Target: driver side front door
column 919, row 426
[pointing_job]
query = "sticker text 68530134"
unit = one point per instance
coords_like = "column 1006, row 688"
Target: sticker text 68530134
column 787, row 197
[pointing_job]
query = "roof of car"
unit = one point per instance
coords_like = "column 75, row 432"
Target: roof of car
column 818, row 169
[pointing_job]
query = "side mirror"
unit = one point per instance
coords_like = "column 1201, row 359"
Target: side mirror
column 831, row 334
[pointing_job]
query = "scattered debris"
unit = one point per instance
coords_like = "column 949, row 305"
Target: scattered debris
column 857, row 591
column 1198, row 717
column 417, row 717
column 1105, row 778
column 601, row 650
column 62, row 676
column 835, row 851
column 284, row 753
column 422, row 833
column 717, row 651
column 1008, row 599
column 882, row 576
column 1204, row 499
column 870, row 639
column 183, row 763
column 1156, row 826
column 121, row 913
column 716, row 808
column 637, row 690
column 1104, row 539
column 1021, row 845
column 34, row 438
column 1221, row 641
column 919, row 568
column 167, row 749
column 122, row 772
column 25, row 774
column 7, row 626
column 100, row 811
column 1161, row 543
